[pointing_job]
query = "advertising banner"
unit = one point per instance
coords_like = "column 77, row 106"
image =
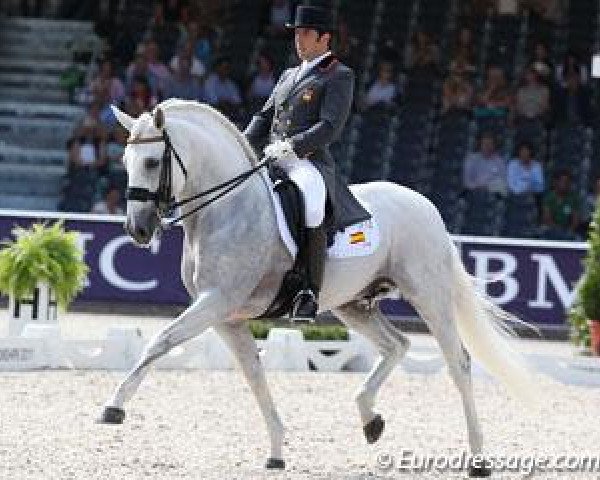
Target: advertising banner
column 533, row 279
column 119, row 270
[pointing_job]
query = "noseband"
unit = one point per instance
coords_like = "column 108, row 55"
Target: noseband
column 163, row 196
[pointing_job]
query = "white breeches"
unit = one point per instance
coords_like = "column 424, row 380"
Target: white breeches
column 308, row 179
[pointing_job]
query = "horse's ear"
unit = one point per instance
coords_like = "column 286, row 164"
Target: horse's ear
column 159, row 119
column 123, row 118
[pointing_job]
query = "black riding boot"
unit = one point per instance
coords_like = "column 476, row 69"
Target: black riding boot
column 306, row 302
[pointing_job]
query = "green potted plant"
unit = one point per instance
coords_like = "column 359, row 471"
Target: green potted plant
column 42, row 266
column 585, row 313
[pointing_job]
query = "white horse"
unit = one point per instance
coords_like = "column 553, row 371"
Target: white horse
column 234, row 259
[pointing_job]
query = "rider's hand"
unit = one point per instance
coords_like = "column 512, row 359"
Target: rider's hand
column 282, row 150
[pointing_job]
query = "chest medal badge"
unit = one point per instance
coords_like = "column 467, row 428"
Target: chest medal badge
column 307, row 95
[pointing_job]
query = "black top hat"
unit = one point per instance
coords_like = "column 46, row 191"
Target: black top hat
column 313, row 17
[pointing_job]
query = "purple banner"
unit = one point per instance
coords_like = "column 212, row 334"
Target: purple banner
column 533, row 279
column 119, row 270
column 536, row 280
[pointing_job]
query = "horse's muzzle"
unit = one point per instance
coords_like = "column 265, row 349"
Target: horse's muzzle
column 142, row 231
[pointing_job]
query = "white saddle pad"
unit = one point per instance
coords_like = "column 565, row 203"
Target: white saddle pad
column 357, row 240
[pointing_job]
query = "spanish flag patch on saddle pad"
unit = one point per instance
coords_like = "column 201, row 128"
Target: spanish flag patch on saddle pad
column 356, row 240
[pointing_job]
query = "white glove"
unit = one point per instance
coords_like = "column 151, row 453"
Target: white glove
column 281, row 150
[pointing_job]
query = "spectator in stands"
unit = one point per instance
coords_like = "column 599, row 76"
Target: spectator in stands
column 279, row 13
column 183, row 20
column 158, row 69
column 533, row 97
column 221, row 91
column 198, row 34
column 111, row 204
column 92, row 118
column 163, row 31
column 87, row 149
column 198, row 69
column 464, row 51
column 263, row 82
column 139, row 69
column 458, row 91
column 573, row 104
column 495, row 99
column 485, row 169
column 560, row 209
column 571, row 65
column 422, row 53
column 182, row 83
column 383, row 93
column 524, row 172
column 140, row 98
column 106, row 87
column 542, row 64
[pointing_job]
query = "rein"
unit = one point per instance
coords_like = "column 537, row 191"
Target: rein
column 163, row 197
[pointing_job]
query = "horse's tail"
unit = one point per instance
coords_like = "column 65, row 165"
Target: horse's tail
column 485, row 333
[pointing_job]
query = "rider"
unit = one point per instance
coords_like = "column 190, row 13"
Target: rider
column 305, row 113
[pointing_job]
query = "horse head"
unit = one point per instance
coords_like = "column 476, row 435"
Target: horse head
column 152, row 180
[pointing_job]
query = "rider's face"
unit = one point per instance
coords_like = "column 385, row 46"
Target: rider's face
column 309, row 43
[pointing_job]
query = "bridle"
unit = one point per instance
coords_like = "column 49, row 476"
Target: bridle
column 163, row 197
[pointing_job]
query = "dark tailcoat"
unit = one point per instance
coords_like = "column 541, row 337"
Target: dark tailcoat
column 311, row 112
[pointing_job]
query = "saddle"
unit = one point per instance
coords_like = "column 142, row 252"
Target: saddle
column 292, row 205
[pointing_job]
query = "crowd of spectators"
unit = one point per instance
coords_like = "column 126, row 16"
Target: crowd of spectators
column 546, row 95
column 563, row 214
column 177, row 56
column 542, row 94
column 174, row 57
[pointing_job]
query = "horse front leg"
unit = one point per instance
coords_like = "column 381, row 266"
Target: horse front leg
column 240, row 341
column 209, row 308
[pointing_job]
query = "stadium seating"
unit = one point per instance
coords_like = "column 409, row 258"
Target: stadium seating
column 414, row 144
column 483, row 213
column 36, row 117
column 521, row 217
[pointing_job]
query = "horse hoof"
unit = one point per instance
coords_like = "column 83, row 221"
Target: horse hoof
column 479, row 471
column 275, row 464
column 112, row 416
column 373, row 429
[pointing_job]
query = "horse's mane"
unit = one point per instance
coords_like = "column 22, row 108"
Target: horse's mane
column 177, row 104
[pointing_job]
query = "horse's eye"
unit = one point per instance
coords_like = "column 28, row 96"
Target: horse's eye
column 151, row 163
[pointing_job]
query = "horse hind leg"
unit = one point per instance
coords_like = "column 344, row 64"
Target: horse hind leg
column 391, row 344
column 459, row 368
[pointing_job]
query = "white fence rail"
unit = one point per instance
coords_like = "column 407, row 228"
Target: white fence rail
column 42, row 347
